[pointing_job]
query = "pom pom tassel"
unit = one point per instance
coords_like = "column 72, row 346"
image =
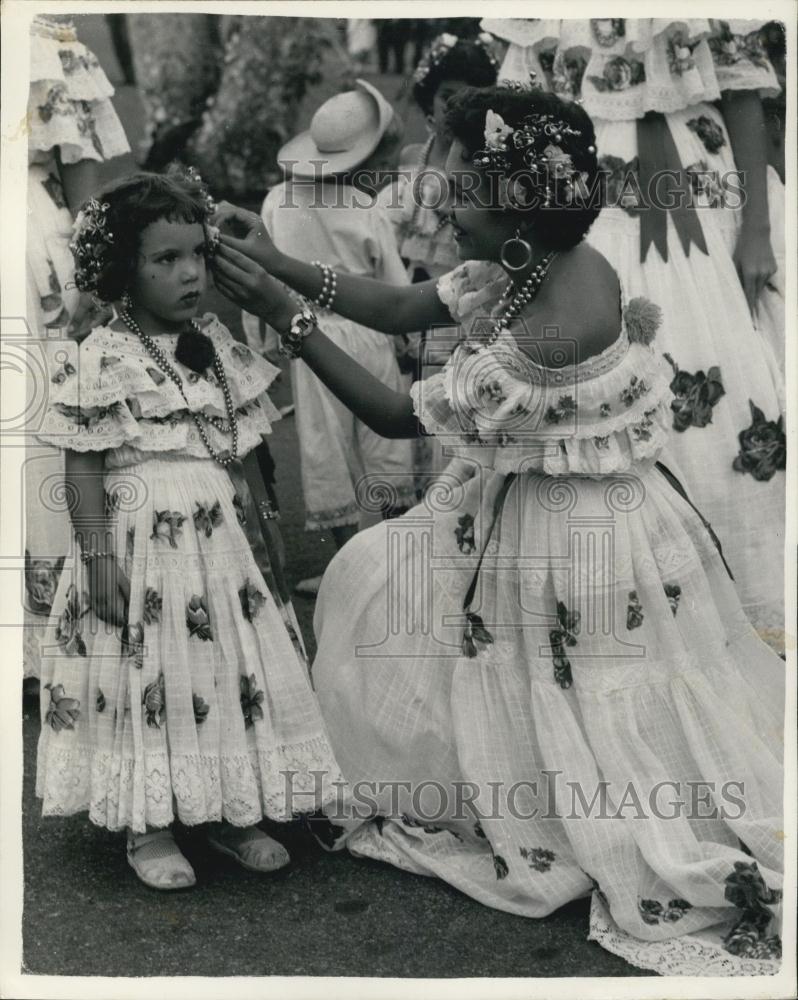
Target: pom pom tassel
column 642, row 318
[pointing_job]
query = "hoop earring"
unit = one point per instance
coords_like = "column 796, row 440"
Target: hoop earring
column 513, row 247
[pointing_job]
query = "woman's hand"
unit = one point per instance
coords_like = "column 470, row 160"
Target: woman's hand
column 246, row 283
column 245, row 232
column 109, row 590
column 755, row 263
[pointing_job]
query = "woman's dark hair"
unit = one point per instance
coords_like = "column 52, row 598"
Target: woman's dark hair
column 135, row 202
column 467, row 60
column 564, row 223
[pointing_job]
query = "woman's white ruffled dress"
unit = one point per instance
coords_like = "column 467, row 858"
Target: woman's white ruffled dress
column 728, row 435
column 560, row 624
column 202, row 709
column 70, row 114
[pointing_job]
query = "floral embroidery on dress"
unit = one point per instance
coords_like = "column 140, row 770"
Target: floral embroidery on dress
column 242, row 353
column 111, row 502
column 198, row 619
column 71, row 61
column 201, row 708
column 746, row 889
column 251, row 699
column 621, row 184
column 709, row 132
column 642, row 431
column 41, row 582
column 500, row 866
column 605, row 410
column 207, row 518
column 634, row 611
column 100, row 702
column 695, row 396
column 607, row 30
column 464, row 533
column 563, row 72
column 652, row 911
column 674, row 594
column 153, row 605
column 637, row 387
column 566, row 407
column 62, row 712
column 68, row 631
column 168, row 525
column 252, row 600
column 564, row 635
column 602, row 442
column 728, row 49
column 619, row 74
column 705, row 183
column 133, row 643
column 154, row 702
column 475, row 635
column 63, row 373
column 539, row 858
column 680, row 54
column 55, row 189
column 763, row 446
column 57, row 102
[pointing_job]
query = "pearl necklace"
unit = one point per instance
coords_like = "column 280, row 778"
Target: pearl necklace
column 513, row 300
column 224, row 458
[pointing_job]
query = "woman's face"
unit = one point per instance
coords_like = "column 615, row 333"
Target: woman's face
column 171, row 273
column 447, row 89
column 479, row 228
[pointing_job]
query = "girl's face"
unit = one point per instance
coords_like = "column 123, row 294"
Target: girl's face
column 479, row 229
column 171, row 274
column 447, row 89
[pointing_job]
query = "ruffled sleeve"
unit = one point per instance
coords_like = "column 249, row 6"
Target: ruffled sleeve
column 473, row 287
column 69, row 104
column 110, row 394
column 492, row 404
column 622, row 68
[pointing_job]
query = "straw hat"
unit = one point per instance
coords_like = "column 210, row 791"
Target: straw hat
column 343, row 132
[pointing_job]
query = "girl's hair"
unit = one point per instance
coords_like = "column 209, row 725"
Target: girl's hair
column 556, row 125
column 109, row 227
column 469, row 60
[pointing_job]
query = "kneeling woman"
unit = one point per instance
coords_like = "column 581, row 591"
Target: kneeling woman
column 542, row 684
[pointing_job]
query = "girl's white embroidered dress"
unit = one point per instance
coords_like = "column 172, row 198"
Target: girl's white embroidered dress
column 606, row 643
column 194, row 711
column 727, row 434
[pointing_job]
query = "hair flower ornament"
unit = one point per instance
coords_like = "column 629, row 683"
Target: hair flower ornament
column 532, row 160
column 441, row 46
column 90, row 239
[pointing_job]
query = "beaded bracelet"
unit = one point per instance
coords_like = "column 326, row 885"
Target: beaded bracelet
column 329, row 280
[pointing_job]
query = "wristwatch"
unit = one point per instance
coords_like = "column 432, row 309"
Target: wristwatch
column 302, row 324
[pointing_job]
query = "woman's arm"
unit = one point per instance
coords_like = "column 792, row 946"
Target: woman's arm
column 109, row 590
column 753, row 255
column 80, row 181
column 385, row 411
column 388, row 308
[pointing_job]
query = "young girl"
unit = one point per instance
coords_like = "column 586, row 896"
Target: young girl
column 324, row 208
column 547, row 675
column 174, row 683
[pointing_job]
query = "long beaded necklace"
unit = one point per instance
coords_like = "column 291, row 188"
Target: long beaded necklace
column 226, row 457
column 513, row 300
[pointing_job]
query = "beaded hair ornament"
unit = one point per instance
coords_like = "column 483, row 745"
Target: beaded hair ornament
column 92, row 236
column 532, row 159
column 441, row 46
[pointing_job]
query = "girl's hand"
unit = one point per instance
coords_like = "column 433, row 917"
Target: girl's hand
column 755, row 263
column 109, row 590
column 247, row 284
column 247, row 234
